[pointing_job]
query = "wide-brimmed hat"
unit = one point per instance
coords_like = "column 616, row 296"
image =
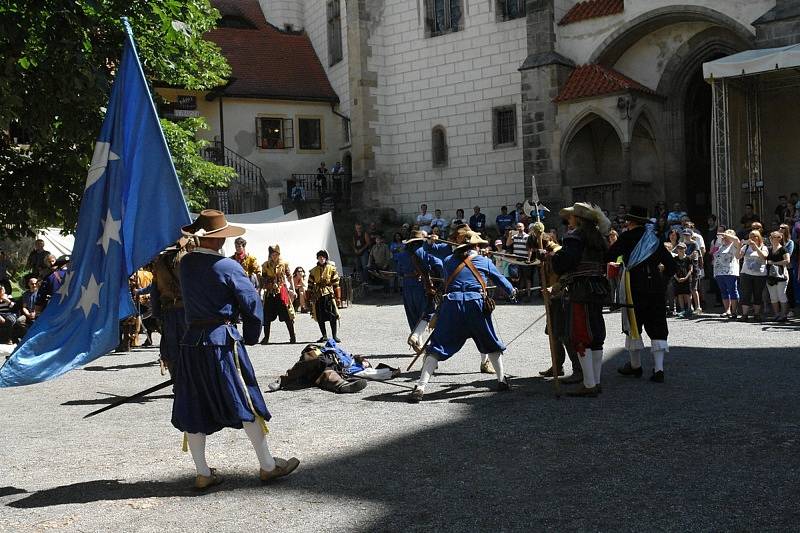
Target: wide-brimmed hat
column 581, row 210
column 211, row 223
column 458, row 232
column 274, row 248
column 416, row 236
column 637, row 213
column 63, row 260
column 728, row 233
column 472, row 238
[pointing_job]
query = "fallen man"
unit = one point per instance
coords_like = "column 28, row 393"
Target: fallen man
column 333, row 369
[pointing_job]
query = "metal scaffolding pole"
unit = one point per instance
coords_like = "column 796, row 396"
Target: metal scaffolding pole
column 720, row 139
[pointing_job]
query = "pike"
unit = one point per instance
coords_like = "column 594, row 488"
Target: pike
column 544, row 272
column 520, row 258
column 140, row 394
column 507, row 344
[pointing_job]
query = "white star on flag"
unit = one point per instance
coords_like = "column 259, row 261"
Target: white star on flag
column 63, row 291
column 90, row 295
column 102, row 154
column 110, row 231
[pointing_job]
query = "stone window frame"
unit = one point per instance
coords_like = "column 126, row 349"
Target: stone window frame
column 451, row 16
column 498, row 139
column 502, row 8
column 287, row 132
column 334, row 23
column 439, row 156
column 318, row 118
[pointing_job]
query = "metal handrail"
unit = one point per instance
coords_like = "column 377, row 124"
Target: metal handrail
column 246, row 192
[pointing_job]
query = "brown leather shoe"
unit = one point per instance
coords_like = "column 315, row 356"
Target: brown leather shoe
column 573, row 379
column 487, row 367
column 583, row 392
column 206, row 482
column 282, row 468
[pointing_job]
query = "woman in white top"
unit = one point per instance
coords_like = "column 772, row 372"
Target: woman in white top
column 753, row 276
column 726, row 269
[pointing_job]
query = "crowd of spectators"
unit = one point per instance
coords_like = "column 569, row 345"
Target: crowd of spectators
column 745, row 269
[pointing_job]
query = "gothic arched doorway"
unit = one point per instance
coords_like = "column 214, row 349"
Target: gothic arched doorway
column 593, row 162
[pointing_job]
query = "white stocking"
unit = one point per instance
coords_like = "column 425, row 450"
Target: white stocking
column 497, row 362
column 197, row 445
column 429, row 365
column 420, row 329
column 484, row 357
column 597, row 363
column 636, row 358
column 658, row 360
column 256, row 435
column 587, row 365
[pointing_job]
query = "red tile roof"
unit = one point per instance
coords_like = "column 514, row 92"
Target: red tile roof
column 267, row 62
column 591, row 9
column 597, row 80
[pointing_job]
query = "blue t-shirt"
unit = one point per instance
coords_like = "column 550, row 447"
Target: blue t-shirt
column 504, row 222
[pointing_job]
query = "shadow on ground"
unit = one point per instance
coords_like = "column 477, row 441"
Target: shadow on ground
column 713, row 448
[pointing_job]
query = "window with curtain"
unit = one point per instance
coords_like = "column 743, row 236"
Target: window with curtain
column 510, row 9
column 334, row 32
column 443, row 16
column 310, row 133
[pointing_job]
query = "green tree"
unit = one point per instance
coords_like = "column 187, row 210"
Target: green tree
column 57, row 63
column 196, row 174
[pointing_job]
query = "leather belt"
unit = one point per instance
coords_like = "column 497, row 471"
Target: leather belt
column 203, row 322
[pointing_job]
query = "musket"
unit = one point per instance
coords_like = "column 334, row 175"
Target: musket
column 132, row 397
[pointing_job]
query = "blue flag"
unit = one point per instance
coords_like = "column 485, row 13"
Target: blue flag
column 132, row 208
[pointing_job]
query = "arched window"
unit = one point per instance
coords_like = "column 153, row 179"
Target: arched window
column 439, row 146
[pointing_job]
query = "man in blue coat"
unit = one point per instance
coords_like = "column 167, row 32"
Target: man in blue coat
column 215, row 385
column 464, row 313
column 418, row 267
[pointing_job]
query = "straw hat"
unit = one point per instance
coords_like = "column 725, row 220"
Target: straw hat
column 728, row 233
column 589, row 212
column 416, row 236
column 211, row 223
column 471, row 238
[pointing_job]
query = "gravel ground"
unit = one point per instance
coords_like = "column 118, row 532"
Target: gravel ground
column 714, row 448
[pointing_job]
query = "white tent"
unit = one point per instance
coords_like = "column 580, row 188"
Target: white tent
column 753, row 62
column 56, row 243
column 299, row 240
column 256, row 217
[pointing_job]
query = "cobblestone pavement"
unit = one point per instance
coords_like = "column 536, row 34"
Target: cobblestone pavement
column 714, row 448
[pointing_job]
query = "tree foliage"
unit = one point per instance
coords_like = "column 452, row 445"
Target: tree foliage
column 57, row 62
column 196, row 174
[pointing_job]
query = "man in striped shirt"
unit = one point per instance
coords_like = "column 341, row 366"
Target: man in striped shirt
column 517, row 242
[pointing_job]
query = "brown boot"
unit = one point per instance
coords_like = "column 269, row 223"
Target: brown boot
column 283, row 467
column 584, row 392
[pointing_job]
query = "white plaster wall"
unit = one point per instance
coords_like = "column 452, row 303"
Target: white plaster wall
column 240, row 132
column 282, row 12
column 316, row 26
column 579, row 40
column 452, row 80
column 646, row 60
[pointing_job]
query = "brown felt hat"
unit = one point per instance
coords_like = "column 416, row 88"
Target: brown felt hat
column 211, row 223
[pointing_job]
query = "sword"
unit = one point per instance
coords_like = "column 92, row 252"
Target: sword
column 132, row 397
column 387, row 382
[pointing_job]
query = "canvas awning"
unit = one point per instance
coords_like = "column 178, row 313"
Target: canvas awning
column 753, row 62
